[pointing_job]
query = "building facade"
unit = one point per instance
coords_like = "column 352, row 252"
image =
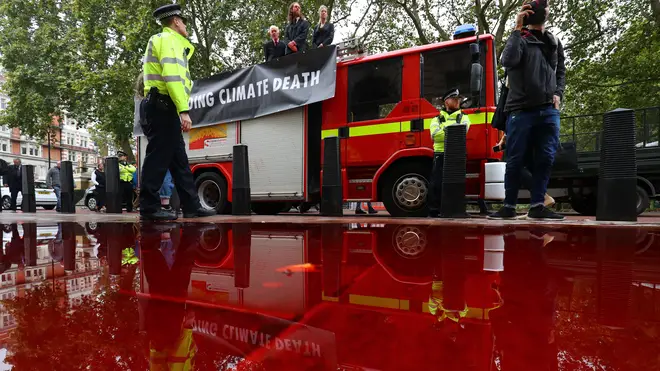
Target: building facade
column 68, row 142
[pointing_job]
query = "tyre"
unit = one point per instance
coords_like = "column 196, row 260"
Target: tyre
column 643, row 200
column 48, row 207
column 585, row 205
column 406, row 188
column 270, row 208
column 91, row 203
column 6, row 202
column 212, row 191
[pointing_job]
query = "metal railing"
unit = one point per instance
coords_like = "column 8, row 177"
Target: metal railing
column 585, row 130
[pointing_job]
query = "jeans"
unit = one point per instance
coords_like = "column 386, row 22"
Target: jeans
column 166, row 189
column 58, row 194
column 535, row 130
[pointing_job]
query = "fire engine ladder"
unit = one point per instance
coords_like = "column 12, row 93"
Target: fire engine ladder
column 350, row 49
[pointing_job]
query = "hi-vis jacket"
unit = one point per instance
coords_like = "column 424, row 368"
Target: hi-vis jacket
column 438, row 128
column 166, row 67
column 178, row 358
column 126, row 172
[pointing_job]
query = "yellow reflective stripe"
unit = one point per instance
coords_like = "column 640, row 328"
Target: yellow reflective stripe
column 328, row 298
column 399, row 127
column 329, row 133
column 475, row 119
column 373, row 301
column 359, row 131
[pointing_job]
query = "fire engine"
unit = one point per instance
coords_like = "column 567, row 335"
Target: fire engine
column 381, row 111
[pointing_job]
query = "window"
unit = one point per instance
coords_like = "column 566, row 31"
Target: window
column 4, row 145
column 23, row 150
column 3, row 103
column 373, row 89
column 85, row 158
column 29, row 273
column 449, row 68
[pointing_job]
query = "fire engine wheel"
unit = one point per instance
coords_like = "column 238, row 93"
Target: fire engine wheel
column 212, row 191
column 409, row 241
column 406, row 190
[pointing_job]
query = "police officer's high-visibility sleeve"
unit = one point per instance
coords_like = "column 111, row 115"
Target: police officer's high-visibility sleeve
column 435, row 128
column 166, row 67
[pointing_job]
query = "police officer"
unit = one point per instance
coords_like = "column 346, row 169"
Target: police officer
column 450, row 115
column 126, row 172
column 167, row 85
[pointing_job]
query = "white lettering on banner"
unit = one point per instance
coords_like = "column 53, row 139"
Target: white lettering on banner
column 245, row 92
column 201, row 101
column 296, row 82
column 277, row 84
column 258, row 338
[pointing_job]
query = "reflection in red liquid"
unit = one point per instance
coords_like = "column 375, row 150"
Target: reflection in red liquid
column 327, row 297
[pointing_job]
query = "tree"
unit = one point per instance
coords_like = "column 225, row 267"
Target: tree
column 37, row 57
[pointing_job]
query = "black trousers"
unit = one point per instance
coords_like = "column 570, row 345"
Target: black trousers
column 127, row 194
column 435, row 185
column 165, row 150
column 14, row 196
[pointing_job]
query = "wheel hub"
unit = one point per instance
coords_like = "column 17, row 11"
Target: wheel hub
column 410, row 242
column 208, row 194
column 411, row 192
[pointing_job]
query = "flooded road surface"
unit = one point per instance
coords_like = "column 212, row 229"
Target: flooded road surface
column 328, row 297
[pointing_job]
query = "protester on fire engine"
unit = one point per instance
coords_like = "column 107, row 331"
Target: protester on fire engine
column 451, row 114
column 324, row 32
column 296, row 30
column 274, row 48
column 534, row 60
column 164, row 116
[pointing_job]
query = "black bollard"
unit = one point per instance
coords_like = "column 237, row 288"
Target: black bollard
column 29, row 203
column 30, row 244
column 69, row 245
column 68, row 204
column 615, row 273
column 113, row 193
column 240, row 187
column 115, row 247
column 332, row 193
column 332, row 241
column 617, row 177
column 453, row 173
column 242, row 237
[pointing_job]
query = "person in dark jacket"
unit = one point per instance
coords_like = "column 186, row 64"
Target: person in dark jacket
column 324, row 32
column 534, row 59
column 296, row 30
column 14, row 180
column 274, row 48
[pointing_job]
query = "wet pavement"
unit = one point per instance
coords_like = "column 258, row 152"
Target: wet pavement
column 351, row 296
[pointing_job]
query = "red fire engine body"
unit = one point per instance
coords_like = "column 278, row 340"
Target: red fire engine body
column 382, row 110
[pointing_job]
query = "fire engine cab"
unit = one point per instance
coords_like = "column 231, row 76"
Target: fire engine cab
column 381, row 111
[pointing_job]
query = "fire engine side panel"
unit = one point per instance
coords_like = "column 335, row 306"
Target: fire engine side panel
column 215, row 141
column 276, row 154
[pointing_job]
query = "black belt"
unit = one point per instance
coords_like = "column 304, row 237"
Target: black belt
column 161, row 101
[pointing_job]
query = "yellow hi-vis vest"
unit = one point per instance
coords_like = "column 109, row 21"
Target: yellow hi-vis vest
column 126, row 172
column 180, row 358
column 166, row 67
column 438, row 128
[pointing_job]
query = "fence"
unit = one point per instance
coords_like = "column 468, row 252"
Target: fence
column 585, row 130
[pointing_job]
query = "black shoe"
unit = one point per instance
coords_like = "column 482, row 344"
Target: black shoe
column 504, row 213
column 360, row 212
column 158, row 215
column 167, row 208
column 373, row 211
column 199, row 213
column 541, row 212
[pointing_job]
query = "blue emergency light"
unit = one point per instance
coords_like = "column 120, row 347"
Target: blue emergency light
column 465, row 28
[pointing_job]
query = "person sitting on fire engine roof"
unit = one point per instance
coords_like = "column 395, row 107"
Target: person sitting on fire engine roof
column 450, row 115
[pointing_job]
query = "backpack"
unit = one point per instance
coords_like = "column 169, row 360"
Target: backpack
column 500, row 116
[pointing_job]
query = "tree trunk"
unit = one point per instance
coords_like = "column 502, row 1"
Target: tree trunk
column 126, row 147
column 655, row 7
